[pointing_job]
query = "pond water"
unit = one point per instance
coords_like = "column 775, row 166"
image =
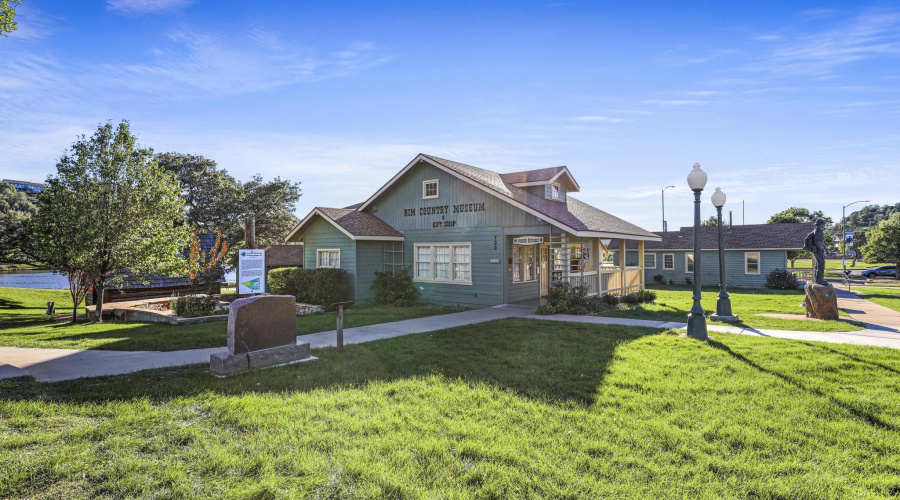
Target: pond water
column 34, row 279
column 46, row 280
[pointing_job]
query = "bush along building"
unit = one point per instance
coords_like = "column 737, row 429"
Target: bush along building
column 751, row 252
column 472, row 237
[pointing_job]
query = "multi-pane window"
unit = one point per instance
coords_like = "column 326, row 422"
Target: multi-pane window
column 430, row 189
column 524, row 263
column 444, row 262
column 669, row 261
column 328, row 258
column 579, row 256
column 688, row 262
column 631, row 258
column 554, row 191
column 649, row 261
column 423, row 263
column 751, row 263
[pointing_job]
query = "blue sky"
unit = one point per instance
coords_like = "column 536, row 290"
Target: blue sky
column 768, row 97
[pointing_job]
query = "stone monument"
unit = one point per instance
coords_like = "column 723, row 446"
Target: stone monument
column 821, row 299
column 262, row 331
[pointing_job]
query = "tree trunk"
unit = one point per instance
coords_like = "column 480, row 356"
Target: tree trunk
column 897, row 271
column 98, row 304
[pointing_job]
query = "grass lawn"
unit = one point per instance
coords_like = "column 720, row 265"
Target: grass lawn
column 674, row 302
column 888, row 297
column 508, row 409
column 23, row 324
column 833, row 264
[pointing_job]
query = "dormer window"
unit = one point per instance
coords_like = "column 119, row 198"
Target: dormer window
column 430, row 189
column 554, row 191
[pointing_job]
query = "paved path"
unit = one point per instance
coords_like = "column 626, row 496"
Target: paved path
column 869, row 336
column 52, row 365
column 874, row 315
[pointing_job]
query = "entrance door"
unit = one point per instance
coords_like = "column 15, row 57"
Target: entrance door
column 545, row 270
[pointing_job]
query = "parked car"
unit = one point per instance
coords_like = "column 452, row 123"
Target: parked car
column 879, row 271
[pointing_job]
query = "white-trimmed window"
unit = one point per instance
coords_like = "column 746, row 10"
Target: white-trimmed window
column 688, row 262
column 751, row 262
column 649, row 261
column 328, row 257
column 554, row 191
column 444, row 262
column 429, row 189
column 524, row 263
column 669, row 261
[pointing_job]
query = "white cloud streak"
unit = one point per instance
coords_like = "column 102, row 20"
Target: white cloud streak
column 145, row 6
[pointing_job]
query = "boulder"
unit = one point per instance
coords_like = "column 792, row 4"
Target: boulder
column 821, row 301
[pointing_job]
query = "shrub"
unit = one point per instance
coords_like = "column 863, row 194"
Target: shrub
column 565, row 298
column 659, row 278
column 610, row 299
column 395, row 289
column 781, row 279
column 640, row 297
column 688, row 281
column 191, row 306
column 312, row 286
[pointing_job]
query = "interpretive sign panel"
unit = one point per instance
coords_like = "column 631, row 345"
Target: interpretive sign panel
column 251, row 271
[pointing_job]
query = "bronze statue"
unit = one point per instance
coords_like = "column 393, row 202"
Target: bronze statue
column 815, row 243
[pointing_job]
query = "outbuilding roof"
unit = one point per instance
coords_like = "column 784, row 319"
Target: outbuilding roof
column 357, row 225
column 788, row 236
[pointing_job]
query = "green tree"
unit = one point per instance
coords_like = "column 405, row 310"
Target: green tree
column 16, row 211
column 8, row 16
column 883, row 242
column 800, row 215
column 713, row 221
column 215, row 200
column 133, row 207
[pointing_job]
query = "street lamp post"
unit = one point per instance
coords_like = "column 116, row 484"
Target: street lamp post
column 723, row 303
column 664, row 206
column 844, row 237
column 696, row 327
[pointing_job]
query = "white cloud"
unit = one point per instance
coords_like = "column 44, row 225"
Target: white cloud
column 596, row 118
column 145, row 6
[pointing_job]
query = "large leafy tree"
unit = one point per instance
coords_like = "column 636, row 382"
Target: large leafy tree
column 883, row 242
column 16, row 211
column 133, row 209
column 8, row 16
column 215, row 200
column 799, row 215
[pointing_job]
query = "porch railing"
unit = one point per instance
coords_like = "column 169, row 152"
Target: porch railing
column 609, row 280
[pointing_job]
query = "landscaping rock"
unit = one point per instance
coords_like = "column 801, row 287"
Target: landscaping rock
column 261, row 322
column 821, row 301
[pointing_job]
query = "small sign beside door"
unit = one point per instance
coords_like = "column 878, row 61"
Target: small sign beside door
column 528, row 240
column 495, row 261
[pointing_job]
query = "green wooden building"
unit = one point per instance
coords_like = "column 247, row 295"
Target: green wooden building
column 472, row 237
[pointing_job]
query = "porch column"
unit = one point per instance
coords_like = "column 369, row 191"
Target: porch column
column 641, row 261
column 623, row 257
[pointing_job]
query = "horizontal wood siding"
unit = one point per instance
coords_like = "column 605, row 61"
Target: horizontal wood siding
column 321, row 234
column 709, row 268
column 487, row 286
column 406, row 194
column 370, row 258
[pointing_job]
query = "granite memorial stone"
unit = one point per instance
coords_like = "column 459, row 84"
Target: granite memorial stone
column 262, row 331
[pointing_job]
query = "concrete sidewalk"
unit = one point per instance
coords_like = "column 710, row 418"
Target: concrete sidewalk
column 52, row 365
column 874, row 315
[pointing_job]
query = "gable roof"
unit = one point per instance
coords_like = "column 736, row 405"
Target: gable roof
column 539, row 177
column 356, row 225
column 789, row 236
column 572, row 215
column 279, row 255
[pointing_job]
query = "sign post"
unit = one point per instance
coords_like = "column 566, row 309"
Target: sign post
column 251, row 271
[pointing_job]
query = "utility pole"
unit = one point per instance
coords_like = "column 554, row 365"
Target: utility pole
column 664, row 207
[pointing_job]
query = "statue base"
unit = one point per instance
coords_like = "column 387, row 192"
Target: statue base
column 821, row 301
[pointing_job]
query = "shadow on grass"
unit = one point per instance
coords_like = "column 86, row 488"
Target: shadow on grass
column 852, row 357
column 862, row 414
column 546, row 360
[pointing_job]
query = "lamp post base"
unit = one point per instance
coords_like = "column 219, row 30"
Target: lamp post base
column 724, row 319
column 696, row 326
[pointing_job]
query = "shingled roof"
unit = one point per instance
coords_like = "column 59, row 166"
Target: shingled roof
column 575, row 214
column 133, row 281
column 746, row 237
column 357, row 225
